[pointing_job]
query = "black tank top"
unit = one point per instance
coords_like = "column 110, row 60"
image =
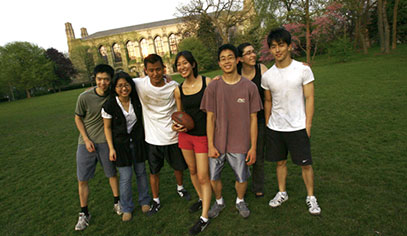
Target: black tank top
column 191, row 105
column 257, row 81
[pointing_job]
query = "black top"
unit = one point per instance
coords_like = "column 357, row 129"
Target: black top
column 257, row 81
column 191, row 105
column 122, row 139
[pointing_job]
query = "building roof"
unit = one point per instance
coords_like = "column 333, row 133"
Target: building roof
column 134, row 28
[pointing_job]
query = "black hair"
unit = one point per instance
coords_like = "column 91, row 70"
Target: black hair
column 227, row 46
column 127, row 77
column 240, row 50
column 279, row 35
column 103, row 68
column 190, row 58
column 153, row 58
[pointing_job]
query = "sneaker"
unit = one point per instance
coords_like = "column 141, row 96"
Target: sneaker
column 126, row 216
column 83, row 221
column 313, row 207
column 215, row 210
column 278, row 199
column 184, row 194
column 154, row 208
column 145, row 208
column 243, row 209
column 117, row 208
column 199, row 226
column 195, row 207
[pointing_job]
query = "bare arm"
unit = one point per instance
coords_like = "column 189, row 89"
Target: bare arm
column 81, row 127
column 309, row 106
column 263, row 68
column 210, row 132
column 108, row 133
column 251, row 154
column 267, row 105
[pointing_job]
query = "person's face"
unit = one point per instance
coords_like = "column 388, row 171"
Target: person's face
column 155, row 71
column 184, row 67
column 123, row 88
column 103, row 81
column 249, row 56
column 227, row 61
column 280, row 50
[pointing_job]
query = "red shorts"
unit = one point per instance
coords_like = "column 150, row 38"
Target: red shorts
column 199, row 144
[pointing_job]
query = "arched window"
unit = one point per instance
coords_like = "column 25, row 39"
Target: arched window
column 103, row 53
column 116, row 53
column 173, row 43
column 159, row 46
column 144, row 47
column 132, row 49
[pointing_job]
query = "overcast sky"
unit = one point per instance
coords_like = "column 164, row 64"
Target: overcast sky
column 42, row 22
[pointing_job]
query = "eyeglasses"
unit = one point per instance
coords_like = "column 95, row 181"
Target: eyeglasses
column 249, row 52
column 120, row 86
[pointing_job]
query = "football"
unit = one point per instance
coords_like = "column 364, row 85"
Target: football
column 184, row 119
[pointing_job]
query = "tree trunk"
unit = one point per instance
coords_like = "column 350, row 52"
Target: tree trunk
column 11, row 91
column 386, row 29
column 380, row 23
column 394, row 42
column 366, row 21
column 308, row 34
column 27, row 92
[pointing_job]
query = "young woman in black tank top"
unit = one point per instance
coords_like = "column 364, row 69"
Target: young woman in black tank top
column 250, row 69
column 194, row 143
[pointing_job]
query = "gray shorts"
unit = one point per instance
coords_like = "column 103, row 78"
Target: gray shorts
column 236, row 160
column 86, row 161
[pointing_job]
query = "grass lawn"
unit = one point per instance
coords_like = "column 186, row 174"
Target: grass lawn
column 358, row 144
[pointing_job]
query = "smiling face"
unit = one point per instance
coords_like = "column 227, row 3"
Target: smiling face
column 155, row 71
column 123, row 88
column 249, row 56
column 184, row 67
column 228, row 61
column 280, row 51
column 102, row 81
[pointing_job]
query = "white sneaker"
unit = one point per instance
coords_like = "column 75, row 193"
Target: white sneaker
column 83, row 221
column 278, row 199
column 313, row 207
column 117, row 208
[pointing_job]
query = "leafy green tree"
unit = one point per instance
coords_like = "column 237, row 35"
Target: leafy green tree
column 63, row 68
column 83, row 61
column 24, row 66
column 198, row 49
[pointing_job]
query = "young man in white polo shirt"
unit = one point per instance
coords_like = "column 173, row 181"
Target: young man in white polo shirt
column 289, row 116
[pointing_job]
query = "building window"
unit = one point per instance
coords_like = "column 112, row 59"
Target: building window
column 133, row 51
column 116, row 53
column 144, row 47
column 159, row 46
column 103, row 53
column 173, row 43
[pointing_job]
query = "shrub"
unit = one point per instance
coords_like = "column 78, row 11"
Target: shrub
column 340, row 50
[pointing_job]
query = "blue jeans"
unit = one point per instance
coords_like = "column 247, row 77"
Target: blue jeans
column 126, row 195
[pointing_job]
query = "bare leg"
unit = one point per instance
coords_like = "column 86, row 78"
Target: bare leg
column 281, row 175
column 217, row 188
column 190, row 159
column 83, row 192
column 308, row 176
column 179, row 176
column 155, row 184
column 114, row 185
column 240, row 189
column 202, row 163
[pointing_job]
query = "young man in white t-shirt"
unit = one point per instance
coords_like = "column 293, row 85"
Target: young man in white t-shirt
column 158, row 103
column 289, row 116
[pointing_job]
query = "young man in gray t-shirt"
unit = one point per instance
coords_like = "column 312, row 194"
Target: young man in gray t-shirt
column 92, row 145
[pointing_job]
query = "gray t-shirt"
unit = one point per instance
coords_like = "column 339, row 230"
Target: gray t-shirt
column 232, row 106
column 89, row 106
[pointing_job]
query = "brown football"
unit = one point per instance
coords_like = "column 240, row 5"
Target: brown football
column 184, row 119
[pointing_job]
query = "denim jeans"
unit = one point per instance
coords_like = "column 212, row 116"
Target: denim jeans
column 126, row 195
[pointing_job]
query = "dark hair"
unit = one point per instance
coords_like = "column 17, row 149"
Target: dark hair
column 153, row 58
column 279, row 35
column 190, row 58
column 240, row 50
column 227, row 46
column 103, row 68
column 127, row 77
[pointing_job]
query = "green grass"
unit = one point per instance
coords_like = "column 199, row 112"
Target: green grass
column 358, row 143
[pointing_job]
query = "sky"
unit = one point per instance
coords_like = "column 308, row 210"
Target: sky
column 42, row 22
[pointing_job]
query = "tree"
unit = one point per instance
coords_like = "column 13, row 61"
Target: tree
column 83, row 61
column 63, row 68
column 24, row 66
column 224, row 14
column 202, row 56
column 394, row 38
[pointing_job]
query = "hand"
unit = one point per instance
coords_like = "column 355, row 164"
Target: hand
column 218, row 77
column 308, row 129
column 112, row 155
column 168, row 77
column 178, row 128
column 251, row 157
column 213, row 152
column 89, row 146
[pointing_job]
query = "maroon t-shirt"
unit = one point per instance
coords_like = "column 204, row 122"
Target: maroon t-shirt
column 232, row 105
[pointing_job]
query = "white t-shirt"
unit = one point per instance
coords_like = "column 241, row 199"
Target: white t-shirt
column 286, row 87
column 130, row 116
column 158, row 104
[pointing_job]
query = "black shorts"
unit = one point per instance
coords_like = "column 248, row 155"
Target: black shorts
column 171, row 153
column 296, row 142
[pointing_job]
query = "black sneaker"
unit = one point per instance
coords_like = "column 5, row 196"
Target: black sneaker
column 184, row 194
column 154, row 208
column 195, row 207
column 198, row 227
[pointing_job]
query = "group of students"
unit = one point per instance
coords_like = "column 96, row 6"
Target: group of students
column 124, row 121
